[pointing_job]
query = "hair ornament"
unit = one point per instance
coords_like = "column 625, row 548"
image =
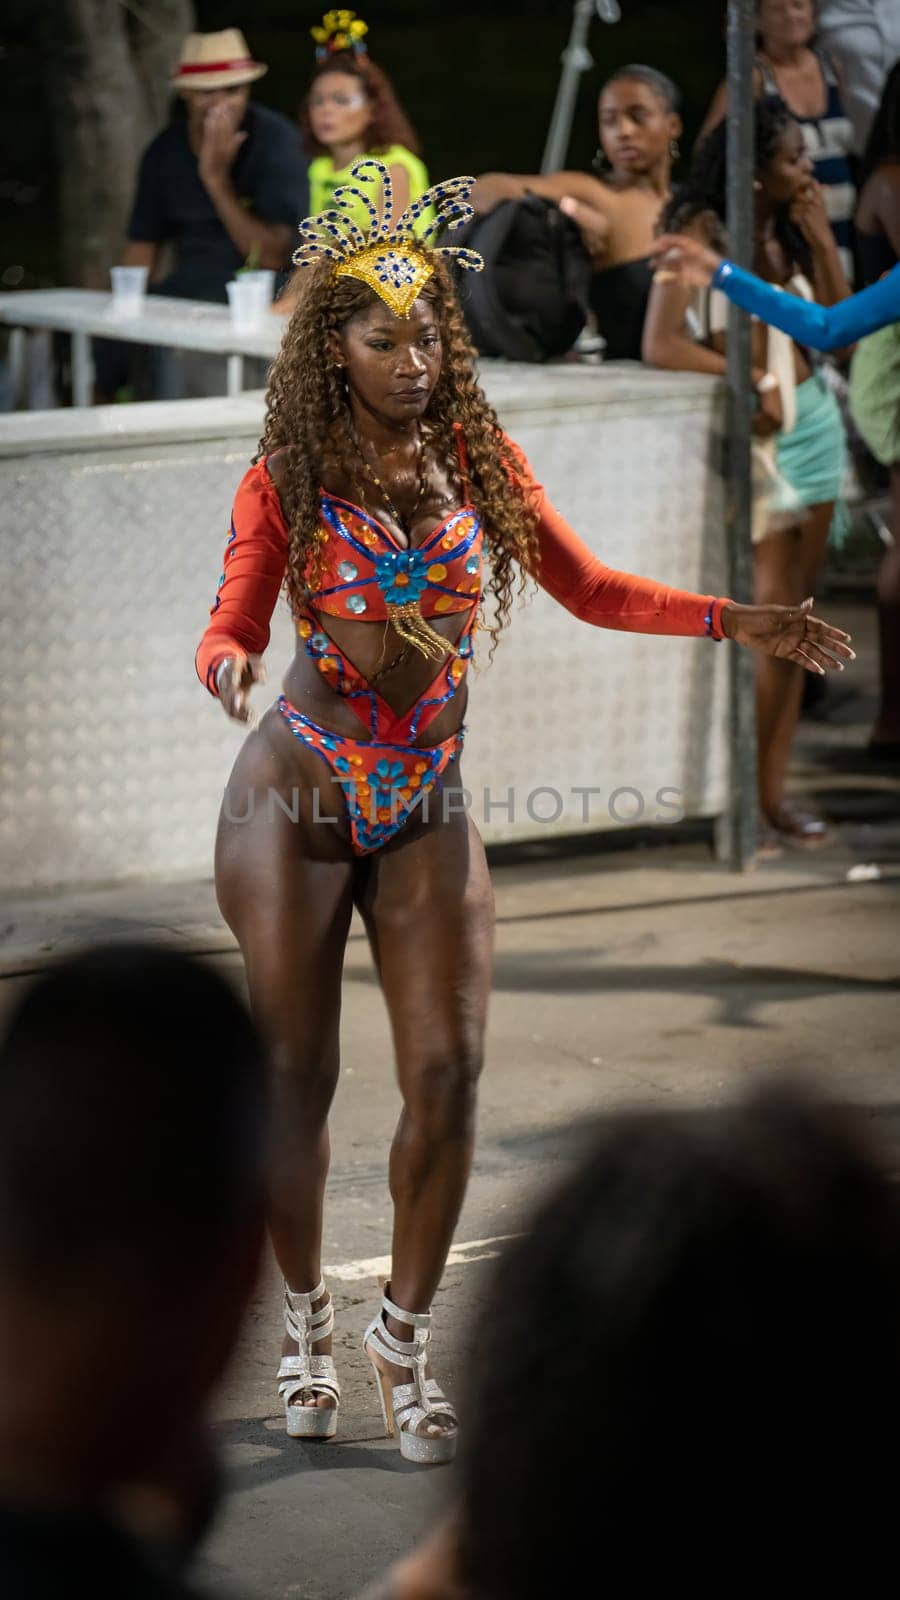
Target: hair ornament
column 339, row 31
column 390, row 259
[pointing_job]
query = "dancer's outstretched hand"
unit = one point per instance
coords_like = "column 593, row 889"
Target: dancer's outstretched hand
column 790, row 632
column 679, row 258
column 233, row 681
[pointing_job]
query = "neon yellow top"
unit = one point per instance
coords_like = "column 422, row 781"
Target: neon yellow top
column 323, row 180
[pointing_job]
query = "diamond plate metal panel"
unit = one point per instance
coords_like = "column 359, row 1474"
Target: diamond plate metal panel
column 592, row 708
column 114, row 759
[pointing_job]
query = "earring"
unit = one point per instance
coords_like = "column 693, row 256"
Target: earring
column 674, row 149
column 600, row 162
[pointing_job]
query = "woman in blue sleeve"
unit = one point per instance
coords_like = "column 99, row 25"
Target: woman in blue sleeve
column 875, row 379
column 799, row 438
column 694, row 264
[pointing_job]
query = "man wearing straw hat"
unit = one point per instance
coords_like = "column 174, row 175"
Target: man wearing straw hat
column 221, row 184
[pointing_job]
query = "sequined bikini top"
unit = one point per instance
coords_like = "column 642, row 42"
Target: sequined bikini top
column 362, row 571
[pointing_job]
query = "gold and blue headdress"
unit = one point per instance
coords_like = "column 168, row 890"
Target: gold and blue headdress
column 389, row 257
column 340, row 30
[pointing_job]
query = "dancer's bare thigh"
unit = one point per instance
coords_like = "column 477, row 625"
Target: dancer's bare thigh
column 428, row 906
column 284, row 881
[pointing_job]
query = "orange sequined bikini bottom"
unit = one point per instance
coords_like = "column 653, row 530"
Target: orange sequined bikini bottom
column 382, row 783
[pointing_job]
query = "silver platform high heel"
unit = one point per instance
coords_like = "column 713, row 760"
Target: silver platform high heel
column 304, row 1373
column 410, row 1404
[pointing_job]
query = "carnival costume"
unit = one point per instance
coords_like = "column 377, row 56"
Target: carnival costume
column 362, row 573
column 359, row 571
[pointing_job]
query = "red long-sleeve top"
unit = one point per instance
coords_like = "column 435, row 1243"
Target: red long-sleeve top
column 256, row 559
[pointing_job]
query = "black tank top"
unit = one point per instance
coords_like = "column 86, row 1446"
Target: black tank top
column 618, row 299
column 876, row 256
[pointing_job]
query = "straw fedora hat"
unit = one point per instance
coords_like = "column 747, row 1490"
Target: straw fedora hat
column 216, row 61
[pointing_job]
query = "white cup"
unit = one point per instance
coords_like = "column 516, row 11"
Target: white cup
column 265, row 279
column 247, row 302
column 129, row 285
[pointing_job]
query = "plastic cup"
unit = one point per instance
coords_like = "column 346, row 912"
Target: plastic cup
column 129, row 285
column 247, row 302
column 265, row 281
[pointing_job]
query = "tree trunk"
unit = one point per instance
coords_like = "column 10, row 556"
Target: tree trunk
column 107, row 65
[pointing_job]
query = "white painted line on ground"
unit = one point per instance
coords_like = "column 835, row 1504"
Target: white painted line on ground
column 380, row 1266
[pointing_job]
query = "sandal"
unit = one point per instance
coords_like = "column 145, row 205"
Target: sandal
column 410, row 1404
column 799, row 827
column 305, row 1374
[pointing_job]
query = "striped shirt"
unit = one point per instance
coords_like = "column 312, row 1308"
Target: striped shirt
column 829, row 140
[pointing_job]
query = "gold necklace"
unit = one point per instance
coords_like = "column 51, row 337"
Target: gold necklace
column 405, row 523
column 406, row 618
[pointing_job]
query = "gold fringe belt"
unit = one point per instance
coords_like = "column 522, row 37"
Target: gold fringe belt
column 408, row 622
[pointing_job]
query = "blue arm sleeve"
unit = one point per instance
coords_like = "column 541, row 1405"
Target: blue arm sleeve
column 821, row 327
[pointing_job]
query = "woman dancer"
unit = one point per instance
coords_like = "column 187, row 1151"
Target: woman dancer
column 387, row 498
column 793, row 515
column 618, row 210
column 789, row 66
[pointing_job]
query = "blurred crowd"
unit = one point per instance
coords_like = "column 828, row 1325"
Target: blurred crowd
column 223, row 186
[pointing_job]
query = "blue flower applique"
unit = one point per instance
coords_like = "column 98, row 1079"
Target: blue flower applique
column 388, row 775
column 401, row 576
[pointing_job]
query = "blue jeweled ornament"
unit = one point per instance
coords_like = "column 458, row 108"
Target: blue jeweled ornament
column 347, row 571
column 388, row 775
column 357, row 603
column 401, row 576
column 395, row 269
column 473, row 564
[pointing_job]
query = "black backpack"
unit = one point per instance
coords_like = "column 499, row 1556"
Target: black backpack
column 530, row 302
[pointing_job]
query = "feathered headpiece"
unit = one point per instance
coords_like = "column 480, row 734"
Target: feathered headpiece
column 389, row 257
column 340, row 30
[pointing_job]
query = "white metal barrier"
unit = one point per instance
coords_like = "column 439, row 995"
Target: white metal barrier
column 113, row 526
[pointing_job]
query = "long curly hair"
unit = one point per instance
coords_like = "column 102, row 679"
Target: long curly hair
column 388, row 122
column 705, row 189
column 308, row 419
